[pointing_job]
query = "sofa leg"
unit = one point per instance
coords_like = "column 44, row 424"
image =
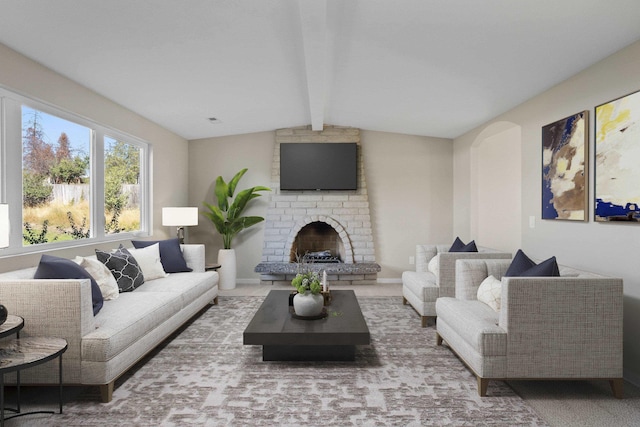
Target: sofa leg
column 215, row 301
column 482, row 386
column 438, row 339
column 617, row 387
column 404, row 301
column 424, row 321
column 106, row 392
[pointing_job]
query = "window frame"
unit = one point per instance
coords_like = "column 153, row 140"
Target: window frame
column 11, row 146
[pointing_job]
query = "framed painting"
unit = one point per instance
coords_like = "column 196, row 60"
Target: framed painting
column 617, row 160
column 565, row 177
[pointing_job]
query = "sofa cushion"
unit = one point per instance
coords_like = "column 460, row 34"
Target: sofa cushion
column 490, row 291
column 170, row 254
column 125, row 321
column 185, row 286
column 423, row 285
column 53, row 267
column 124, row 268
column 476, row 323
column 148, row 259
column 102, row 275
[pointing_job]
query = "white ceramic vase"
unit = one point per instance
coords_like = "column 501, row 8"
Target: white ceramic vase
column 308, row 304
column 227, row 270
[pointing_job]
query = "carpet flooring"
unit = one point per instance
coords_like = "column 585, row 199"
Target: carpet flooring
column 204, row 376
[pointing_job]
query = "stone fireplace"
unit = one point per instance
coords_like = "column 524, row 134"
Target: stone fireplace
column 331, row 228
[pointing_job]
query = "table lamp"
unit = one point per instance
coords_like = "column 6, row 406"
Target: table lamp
column 179, row 217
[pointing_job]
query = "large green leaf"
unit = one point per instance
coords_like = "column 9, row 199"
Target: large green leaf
column 227, row 217
column 221, row 189
column 234, row 182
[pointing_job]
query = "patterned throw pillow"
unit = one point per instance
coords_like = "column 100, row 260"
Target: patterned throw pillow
column 103, row 276
column 490, row 292
column 434, row 265
column 124, row 268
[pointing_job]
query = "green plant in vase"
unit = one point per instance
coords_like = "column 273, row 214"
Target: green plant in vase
column 226, row 215
column 307, row 282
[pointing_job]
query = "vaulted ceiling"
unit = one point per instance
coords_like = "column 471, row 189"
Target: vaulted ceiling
column 424, row 67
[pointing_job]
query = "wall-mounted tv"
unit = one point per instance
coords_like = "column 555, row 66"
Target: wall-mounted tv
column 318, row 166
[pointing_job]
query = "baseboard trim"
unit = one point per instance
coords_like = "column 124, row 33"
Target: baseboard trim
column 390, row 280
column 247, row 281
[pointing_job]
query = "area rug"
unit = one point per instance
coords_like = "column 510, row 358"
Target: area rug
column 204, row 376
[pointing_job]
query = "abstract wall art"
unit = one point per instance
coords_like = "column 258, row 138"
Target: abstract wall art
column 617, row 160
column 565, row 176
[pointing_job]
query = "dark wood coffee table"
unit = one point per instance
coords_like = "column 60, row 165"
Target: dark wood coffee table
column 284, row 337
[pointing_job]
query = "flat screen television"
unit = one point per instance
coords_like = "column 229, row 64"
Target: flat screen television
column 319, row 166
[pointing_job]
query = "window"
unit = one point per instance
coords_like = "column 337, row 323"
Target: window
column 68, row 180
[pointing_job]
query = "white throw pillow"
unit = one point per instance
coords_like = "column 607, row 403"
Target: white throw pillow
column 489, row 292
column 149, row 261
column 102, row 275
column 434, row 265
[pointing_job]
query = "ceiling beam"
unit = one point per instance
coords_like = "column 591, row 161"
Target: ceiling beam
column 313, row 19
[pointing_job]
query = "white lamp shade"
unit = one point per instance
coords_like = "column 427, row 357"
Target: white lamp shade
column 179, row 217
column 4, row 226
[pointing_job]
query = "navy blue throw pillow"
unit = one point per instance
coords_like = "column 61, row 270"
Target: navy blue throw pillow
column 170, row 254
column 547, row 268
column 459, row 246
column 519, row 264
column 52, row 267
column 523, row 266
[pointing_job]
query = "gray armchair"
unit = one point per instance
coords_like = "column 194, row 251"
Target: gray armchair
column 567, row 327
column 422, row 287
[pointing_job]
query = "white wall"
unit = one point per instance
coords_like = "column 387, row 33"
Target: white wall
column 409, row 181
column 170, row 152
column 606, row 248
column 410, row 195
column 495, row 208
column 225, row 156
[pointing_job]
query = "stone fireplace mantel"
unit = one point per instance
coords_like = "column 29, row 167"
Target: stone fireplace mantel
column 347, row 212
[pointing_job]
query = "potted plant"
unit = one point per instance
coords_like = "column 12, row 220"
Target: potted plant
column 308, row 301
column 227, row 217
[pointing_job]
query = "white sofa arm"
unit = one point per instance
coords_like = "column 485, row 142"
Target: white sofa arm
column 550, row 320
column 471, row 272
column 194, row 256
column 52, row 308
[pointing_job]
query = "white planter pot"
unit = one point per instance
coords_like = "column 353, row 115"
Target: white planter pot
column 308, row 304
column 227, row 270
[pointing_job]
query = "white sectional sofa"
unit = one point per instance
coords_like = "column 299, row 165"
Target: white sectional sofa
column 103, row 347
column 567, row 327
column 422, row 287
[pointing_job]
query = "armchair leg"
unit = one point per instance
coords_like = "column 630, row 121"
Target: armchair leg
column 438, row 339
column 617, row 387
column 482, row 386
column 404, row 301
column 424, row 321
